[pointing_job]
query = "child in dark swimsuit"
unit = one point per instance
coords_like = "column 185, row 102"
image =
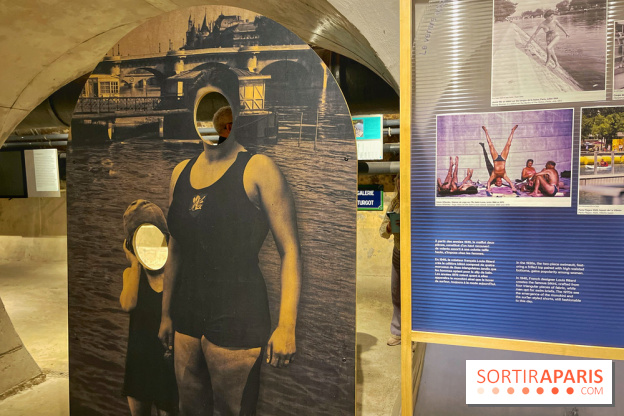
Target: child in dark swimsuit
column 149, row 378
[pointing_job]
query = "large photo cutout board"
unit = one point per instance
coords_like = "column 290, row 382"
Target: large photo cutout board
column 500, row 255
column 272, row 318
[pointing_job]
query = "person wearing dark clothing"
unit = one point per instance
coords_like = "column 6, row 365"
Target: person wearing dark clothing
column 149, row 379
column 215, row 308
column 385, row 230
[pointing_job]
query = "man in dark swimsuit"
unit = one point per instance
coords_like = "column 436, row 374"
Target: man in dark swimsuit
column 222, row 205
column 499, row 160
column 547, row 181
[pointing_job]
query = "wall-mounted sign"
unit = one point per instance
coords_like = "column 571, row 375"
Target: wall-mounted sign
column 369, row 137
column 370, row 198
column 29, row 173
column 42, row 172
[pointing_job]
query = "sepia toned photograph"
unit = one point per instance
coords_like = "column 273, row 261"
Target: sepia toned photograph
column 601, row 161
column 198, row 229
column 548, row 51
column 515, row 158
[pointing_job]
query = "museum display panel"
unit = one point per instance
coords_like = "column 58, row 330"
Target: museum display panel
column 514, row 177
column 147, row 108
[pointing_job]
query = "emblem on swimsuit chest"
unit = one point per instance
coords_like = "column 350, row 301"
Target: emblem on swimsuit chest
column 198, row 203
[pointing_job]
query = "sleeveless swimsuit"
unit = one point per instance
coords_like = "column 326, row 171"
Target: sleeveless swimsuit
column 149, row 377
column 550, row 35
column 219, row 291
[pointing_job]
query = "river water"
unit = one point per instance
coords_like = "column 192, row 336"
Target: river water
column 591, row 198
column 583, row 54
column 104, row 179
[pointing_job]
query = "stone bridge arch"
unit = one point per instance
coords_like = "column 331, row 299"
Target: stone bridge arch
column 126, row 75
column 203, row 80
column 216, row 77
column 286, row 78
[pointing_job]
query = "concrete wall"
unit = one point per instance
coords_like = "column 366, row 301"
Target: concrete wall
column 33, row 229
column 16, row 364
column 541, row 135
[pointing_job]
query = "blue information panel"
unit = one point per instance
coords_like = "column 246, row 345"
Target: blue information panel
column 515, row 166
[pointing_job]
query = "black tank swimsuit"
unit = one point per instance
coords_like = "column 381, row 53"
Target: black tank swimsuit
column 219, row 291
column 149, row 377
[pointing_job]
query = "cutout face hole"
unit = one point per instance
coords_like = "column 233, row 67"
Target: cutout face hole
column 206, row 109
column 150, row 247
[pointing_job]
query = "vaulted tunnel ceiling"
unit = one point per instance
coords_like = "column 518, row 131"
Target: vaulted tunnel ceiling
column 46, row 44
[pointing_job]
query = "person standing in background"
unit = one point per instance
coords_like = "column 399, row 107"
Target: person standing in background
column 395, row 286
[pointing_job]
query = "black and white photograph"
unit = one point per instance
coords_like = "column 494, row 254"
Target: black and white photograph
column 548, row 51
column 618, row 60
column 211, row 229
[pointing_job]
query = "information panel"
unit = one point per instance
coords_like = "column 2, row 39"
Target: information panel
column 516, row 172
column 369, row 137
column 42, row 173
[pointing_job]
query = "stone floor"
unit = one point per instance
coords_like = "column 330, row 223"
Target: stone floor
column 35, row 297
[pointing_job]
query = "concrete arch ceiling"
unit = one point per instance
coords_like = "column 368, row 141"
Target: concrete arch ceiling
column 47, row 43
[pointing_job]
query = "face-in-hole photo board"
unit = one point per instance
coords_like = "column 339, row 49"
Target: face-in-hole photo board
column 145, row 155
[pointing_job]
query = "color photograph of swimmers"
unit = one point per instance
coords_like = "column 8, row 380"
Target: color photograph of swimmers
column 618, row 61
column 548, row 51
column 524, row 157
column 601, row 158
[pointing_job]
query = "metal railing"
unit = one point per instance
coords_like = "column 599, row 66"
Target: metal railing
column 115, row 104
